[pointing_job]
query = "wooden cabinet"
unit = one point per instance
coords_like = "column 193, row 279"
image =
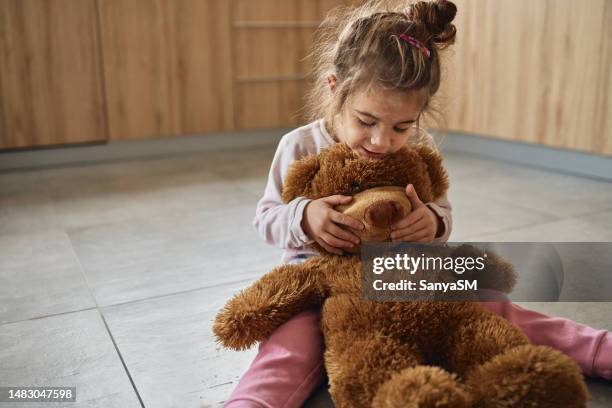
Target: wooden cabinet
column 51, row 89
column 167, row 67
column 533, row 71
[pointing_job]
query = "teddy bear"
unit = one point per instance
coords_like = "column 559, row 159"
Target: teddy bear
column 397, row 354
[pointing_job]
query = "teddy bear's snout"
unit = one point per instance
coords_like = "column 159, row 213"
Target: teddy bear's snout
column 384, row 213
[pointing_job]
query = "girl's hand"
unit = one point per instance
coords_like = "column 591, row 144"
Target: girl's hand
column 322, row 224
column 421, row 225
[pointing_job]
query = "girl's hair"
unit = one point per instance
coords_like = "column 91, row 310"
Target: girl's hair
column 362, row 47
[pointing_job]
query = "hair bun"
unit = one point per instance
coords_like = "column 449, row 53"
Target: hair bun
column 436, row 17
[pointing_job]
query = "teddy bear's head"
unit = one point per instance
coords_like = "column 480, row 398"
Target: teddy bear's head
column 377, row 186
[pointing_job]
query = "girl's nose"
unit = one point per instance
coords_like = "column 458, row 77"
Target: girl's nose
column 380, row 141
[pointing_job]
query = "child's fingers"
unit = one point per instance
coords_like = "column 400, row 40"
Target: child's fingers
column 412, row 219
column 335, row 241
column 337, row 199
column 329, row 248
column 344, row 219
column 343, row 234
column 421, row 236
column 410, row 229
column 410, row 235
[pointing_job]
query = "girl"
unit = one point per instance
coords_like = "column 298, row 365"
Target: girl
column 376, row 73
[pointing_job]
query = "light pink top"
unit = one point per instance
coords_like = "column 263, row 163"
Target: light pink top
column 280, row 224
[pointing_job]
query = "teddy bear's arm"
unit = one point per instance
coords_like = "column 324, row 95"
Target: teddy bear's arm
column 257, row 311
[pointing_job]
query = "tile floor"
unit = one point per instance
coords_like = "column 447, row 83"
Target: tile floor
column 112, row 273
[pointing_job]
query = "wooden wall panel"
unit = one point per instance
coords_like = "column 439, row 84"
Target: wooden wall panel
column 167, row 66
column 271, row 52
column 271, row 42
column 50, row 73
column 270, row 104
column 603, row 141
column 309, row 11
column 531, row 71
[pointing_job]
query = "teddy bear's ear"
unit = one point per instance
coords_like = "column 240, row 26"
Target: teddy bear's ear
column 299, row 177
column 437, row 173
column 496, row 274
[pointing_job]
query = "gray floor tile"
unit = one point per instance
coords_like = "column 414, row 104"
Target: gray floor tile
column 40, row 276
column 168, row 347
column 602, row 218
column 78, row 196
column 556, row 194
column 127, row 191
column 565, row 230
column 24, row 202
column 237, row 164
column 18, row 182
column 26, row 211
column 248, row 169
column 167, row 254
column 70, row 350
column 474, row 216
column 587, row 274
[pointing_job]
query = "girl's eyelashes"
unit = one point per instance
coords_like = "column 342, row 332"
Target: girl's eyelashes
column 372, row 124
column 366, row 124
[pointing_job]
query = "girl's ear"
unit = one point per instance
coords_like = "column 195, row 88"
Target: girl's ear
column 299, row 178
column 331, row 83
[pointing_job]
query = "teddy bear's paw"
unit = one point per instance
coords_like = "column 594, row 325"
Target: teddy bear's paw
column 528, row 376
column 422, row 387
column 239, row 329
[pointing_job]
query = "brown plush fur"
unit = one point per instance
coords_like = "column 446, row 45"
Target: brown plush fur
column 399, row 354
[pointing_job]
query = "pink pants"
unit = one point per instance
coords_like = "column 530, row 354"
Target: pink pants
column 287, row 369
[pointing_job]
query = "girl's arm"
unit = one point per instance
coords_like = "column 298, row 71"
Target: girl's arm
column 442, row 208
column 277, row 223
column 589, row 347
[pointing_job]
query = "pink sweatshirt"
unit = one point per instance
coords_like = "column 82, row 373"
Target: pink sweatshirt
column 280, row 224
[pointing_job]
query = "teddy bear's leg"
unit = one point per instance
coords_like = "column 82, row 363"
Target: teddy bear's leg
column 502, row 370
column 359, row 363
column 478, row 336
column 528, row 376
column 370, row 369
column 422, row 386
column 364, row 351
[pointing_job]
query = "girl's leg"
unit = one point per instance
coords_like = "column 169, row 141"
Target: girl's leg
column 583, row 344
column 288, row 367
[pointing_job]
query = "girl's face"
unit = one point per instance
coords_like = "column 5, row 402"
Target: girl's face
column 378, row 122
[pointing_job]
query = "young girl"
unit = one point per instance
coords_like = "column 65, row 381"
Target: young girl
column 377, row 72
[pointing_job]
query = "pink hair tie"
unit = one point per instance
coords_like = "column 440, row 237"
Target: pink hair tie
column 416, row 43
